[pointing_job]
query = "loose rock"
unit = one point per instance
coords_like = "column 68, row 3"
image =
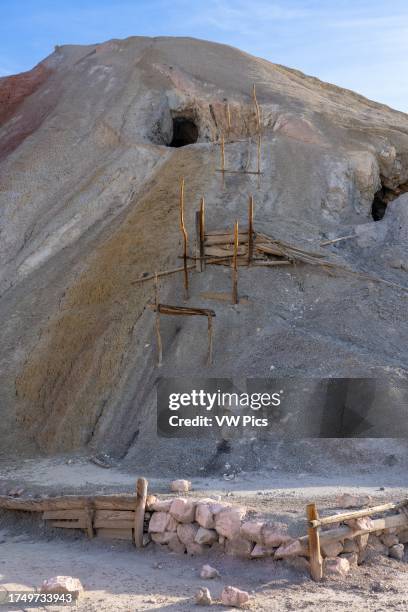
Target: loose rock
column 63, row 584
column 203, row 597
column 181, row 486
column 397, row 551
column 231, row 596
column 337, row 566
column 347, row 500
column 208, row 572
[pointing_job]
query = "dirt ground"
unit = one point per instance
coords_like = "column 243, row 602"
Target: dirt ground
column 117, row 577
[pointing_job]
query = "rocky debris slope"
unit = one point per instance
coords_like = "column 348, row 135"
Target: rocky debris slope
column 90, row 162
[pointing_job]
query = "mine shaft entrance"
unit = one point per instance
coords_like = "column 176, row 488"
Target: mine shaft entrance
column 185, row 132
column 383, row 197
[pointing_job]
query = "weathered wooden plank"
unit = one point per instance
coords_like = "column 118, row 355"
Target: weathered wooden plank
column 112, row 524
column 225, row 232
column 56, row 515
column 115, row 534
column 283, row 262
column 115, row 519
column 115, row 515
column 353, row 514
column 225, row 251
column 225, row 240
column 395, row 520
column 68, row 502
column 169, row 309
column 270, row 249
column 80, row 524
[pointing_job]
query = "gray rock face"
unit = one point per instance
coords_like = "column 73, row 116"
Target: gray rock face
column 89, row 203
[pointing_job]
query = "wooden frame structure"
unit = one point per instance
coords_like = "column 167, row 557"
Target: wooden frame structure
column 315, row 538
column 189, row 311
column 258, row 120
column 108, row 516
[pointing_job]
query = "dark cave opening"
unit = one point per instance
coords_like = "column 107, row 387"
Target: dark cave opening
column 379, row 205
column 185, row 132
column 383, row 197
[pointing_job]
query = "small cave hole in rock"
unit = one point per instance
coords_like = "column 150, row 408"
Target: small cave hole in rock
column 379, row 205
column 185, row 132
column 383, row 197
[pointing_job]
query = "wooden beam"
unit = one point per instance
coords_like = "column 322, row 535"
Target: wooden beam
column 200, row 236
column 57, row 515
column 250, row 229
column 68, row 503
column 143, row 279
column 316, row 563
column 271, row 264
column 198, row 258
column 235, row 266
column 341, row 533
column 257, row 109
column 169, row 309
column 226, row 239
column 185, row 237
column 202, row 232
column 327, row 242
column 157, row 323
column 239, row 171
column 141, row 495
column 259, row 145
column 339, row 518
column 228, row 119
column 115, row 534
column 210, row 339
column 89, row 513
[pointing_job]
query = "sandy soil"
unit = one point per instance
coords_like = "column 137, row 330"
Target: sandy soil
column 117, row 577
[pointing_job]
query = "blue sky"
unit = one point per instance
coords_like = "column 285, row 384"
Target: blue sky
column 362, row 45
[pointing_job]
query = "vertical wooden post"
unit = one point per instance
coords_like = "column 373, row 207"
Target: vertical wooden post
column 210, row 340
column 202, row 232
column 250, row 229
column 228, row 119
column 259, row 154
column 315, row 557
column 222, row 154
column 141, row 495
column 257, row 110
column 198, row 242
column 158, row 335
column 235, row 266
column 89, row 515
column 185, row 238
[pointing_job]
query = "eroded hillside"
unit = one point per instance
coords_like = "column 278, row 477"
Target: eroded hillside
column 91, row 156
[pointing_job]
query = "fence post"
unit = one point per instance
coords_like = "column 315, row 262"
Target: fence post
column 141, row 495
column 316, row 564
column 235, row 266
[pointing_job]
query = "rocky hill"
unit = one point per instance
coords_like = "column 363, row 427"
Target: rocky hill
column 93, row 142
